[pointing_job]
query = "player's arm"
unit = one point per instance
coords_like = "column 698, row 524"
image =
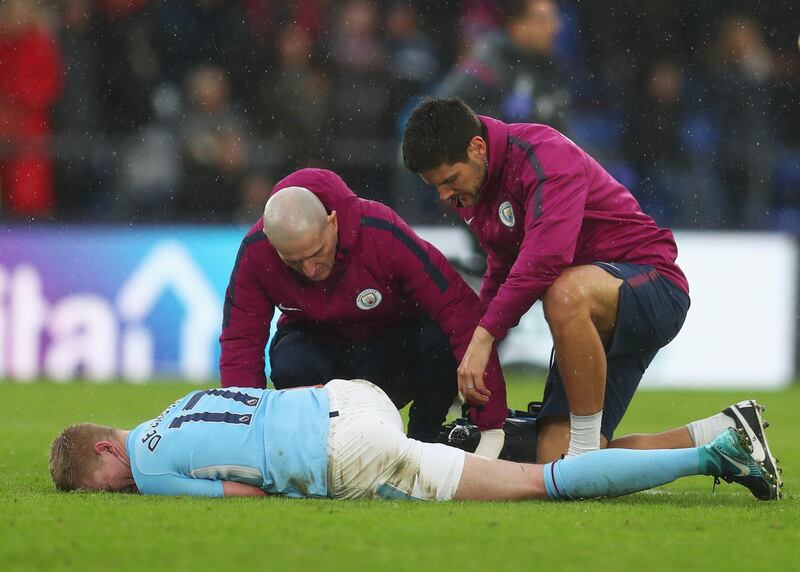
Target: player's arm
column 172, row 484
column 553, row 221
column 245, row 326
column 234, row 489
column 472, row 365
column 493, row 278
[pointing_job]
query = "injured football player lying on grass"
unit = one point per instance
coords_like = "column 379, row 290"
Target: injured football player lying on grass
column 345, row 440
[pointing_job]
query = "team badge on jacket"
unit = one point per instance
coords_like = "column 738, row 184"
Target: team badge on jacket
column 368, row 299
column 506, row 214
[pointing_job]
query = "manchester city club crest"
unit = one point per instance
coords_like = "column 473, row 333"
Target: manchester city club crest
column 368, row 299
column 506, row 214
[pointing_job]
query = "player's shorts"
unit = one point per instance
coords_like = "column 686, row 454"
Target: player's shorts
column 651, row 312
column 369, row 455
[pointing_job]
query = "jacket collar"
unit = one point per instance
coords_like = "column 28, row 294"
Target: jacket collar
column 496, row 135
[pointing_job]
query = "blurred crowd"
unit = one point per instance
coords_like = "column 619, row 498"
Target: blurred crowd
column 190, row 110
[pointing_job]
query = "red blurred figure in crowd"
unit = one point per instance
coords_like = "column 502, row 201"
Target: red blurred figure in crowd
column 30, row 81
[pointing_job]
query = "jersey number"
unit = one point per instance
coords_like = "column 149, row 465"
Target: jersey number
column 224, row 417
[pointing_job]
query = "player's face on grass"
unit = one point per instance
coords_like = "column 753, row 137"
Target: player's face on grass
column 314, row 254
column 113, row 473
column 460, row 183
column 105, row 480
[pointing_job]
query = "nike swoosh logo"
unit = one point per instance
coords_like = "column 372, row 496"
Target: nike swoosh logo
column 283, row 308
column 469, row 220
column 744, row 470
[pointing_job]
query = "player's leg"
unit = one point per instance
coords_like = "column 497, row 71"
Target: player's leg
column 581, row 310
column 671, row 439
column 369, row 456
column 622, row 381
column 353, row 460
column 553, row 423
column 492, row 479
column 616, row 472
column 745, row 415
column 605, row 473
column 375, row 359
column 650, row 311
column 624, row 374
column 298, row 359
column 412, row 362
column 426, row 360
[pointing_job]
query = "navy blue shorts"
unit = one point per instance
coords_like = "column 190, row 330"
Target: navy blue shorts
column 651, row 312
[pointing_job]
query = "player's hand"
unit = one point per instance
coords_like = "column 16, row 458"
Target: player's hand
column 473, row 366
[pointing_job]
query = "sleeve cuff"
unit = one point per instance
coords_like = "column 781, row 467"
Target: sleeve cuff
column 491, row 326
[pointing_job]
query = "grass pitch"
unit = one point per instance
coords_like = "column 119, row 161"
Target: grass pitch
column 682, row 526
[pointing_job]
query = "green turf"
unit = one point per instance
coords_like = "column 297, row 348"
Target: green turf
column 678, row 527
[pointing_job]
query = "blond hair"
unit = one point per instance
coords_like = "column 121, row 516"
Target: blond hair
column 72, row 455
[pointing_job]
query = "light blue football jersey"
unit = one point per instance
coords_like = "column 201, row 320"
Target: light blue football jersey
column 275, row 440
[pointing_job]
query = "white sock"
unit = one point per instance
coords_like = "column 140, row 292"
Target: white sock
column 584, row 433
column 491, row 443
column 706, row 430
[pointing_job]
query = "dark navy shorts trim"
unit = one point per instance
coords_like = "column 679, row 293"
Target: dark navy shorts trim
column 651, row 312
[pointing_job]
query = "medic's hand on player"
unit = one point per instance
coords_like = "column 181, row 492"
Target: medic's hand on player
column 473, row 366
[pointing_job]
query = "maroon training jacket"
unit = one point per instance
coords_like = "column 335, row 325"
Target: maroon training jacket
column 377, row 251
column 547, row 205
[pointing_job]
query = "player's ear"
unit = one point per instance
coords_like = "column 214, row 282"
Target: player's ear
column 332, row 219
column 477, row 145
column 103, row 447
